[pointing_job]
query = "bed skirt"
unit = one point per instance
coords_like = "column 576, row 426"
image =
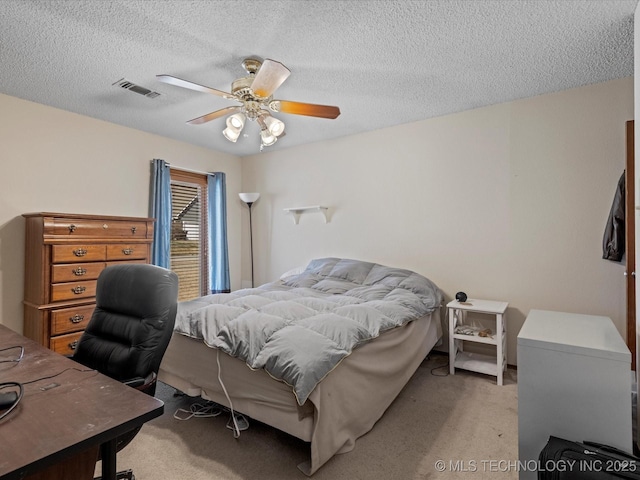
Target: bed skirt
column 344, row 406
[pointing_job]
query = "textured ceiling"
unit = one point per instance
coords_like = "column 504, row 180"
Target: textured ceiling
column 383, row 63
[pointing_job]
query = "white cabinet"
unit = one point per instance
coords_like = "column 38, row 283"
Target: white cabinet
column 574, row 382
column 477, row 362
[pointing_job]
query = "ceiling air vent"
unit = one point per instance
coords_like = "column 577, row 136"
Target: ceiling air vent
column 127, row 85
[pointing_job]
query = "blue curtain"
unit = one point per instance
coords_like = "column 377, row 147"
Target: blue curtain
column 219, row 280
column 161, row 211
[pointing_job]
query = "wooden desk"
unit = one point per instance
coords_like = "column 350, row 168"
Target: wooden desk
column 61, row 422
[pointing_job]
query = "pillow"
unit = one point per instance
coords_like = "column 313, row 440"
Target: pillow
column 381, row 275
column 321, row 266
column 354, row 271
column 290, row 273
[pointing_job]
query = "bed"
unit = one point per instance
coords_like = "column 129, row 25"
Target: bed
column 319, row 354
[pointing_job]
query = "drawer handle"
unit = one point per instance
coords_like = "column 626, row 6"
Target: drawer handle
column 72, row 228
column 80, row 252
column 77, row 318
column 127, row 251
column 78, row 290
column 73, row 345
column 133, row 230
column 105, row 226
column 78, row 272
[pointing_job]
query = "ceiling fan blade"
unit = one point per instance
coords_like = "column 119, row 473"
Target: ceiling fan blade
column 178, row 82
column 213, row 115
column 269, row 78
column 309, row 109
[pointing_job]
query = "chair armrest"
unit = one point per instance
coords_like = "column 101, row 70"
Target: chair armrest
column 134, row 382
column 146, row 385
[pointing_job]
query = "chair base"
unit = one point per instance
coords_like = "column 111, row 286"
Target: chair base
column 123, row 475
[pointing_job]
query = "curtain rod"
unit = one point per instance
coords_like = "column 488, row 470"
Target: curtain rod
column 189, row 170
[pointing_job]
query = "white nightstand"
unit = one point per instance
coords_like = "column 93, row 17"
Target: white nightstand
column 478, row 362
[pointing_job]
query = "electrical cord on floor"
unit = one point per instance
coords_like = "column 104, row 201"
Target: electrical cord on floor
column 446, row 365
column 237, row 422
column 208, row 410
column 446, row 374
column 213, row 409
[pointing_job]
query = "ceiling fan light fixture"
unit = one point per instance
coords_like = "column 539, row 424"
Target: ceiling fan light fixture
column 275, row 126
column 267, row 138
column 236, row 121
column 231, row 134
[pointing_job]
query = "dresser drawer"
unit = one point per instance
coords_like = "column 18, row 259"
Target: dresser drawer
column 127, row 251
column 67, row 320
column 68, row 272
column 73, row 290
column 98, row 228
column 65, row 344
column 78, row 253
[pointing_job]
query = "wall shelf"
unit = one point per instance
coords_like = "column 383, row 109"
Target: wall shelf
column 296, row 211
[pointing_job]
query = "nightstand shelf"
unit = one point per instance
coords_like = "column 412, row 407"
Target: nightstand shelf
column 475, row 338
column 477, row 362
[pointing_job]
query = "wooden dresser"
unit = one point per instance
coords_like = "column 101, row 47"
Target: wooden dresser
column 64, row 254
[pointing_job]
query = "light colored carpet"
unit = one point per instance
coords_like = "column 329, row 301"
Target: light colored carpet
column 465, row 420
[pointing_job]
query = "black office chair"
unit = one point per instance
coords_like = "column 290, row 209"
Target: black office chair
column 130, row 329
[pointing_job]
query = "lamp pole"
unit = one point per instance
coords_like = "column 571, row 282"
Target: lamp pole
column 251, row 241
column 249, row 199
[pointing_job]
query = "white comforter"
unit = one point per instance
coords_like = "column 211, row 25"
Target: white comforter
column 299, row 328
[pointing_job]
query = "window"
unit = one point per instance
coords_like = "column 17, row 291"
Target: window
column 189, row 233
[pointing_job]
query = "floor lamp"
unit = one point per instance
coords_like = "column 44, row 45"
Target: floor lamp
column 249, row 199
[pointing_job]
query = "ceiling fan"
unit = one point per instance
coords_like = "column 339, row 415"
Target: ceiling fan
column 255, row 96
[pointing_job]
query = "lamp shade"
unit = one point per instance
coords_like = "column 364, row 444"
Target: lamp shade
column 231, row 134
column 236, row 121
column 249, row 197
column 275, row 126
column 267, row 138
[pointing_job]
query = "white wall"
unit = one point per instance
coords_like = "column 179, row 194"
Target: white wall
column 507, row 202
column 55, row 161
